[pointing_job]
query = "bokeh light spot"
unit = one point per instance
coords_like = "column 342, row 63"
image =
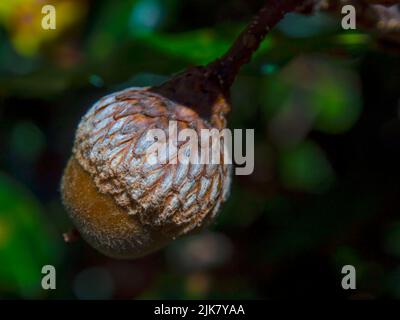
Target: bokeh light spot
column 146, row 15
column 300, row 26
column 306, row 168
column 96, row 80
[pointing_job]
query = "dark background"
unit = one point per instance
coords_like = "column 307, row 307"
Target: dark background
column 325, row 193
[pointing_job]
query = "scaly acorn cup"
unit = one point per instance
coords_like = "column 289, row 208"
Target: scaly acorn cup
column 123, row 206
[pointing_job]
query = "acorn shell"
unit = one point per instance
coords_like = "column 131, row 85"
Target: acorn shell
column 123, row 206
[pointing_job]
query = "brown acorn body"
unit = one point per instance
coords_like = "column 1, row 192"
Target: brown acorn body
column 101, row 222
column 123, row 206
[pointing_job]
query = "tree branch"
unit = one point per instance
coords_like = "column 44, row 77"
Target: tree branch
column 250, row 39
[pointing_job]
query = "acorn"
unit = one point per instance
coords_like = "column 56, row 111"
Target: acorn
column 122, row 205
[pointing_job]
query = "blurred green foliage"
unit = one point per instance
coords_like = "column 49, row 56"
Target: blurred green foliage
column 324, row 106
column 306, row 168
column 26, row 240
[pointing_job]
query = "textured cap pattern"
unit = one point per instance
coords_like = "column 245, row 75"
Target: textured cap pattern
column 111, row 144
